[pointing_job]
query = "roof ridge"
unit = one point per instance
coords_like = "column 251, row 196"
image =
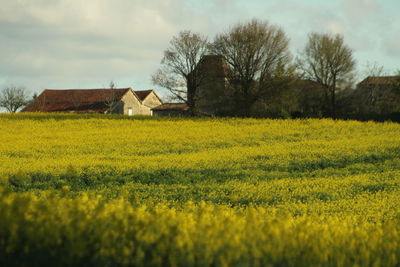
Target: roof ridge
column 385, row 76
column 127, row 88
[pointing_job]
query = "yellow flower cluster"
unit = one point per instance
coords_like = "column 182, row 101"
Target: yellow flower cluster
column 94, row 231
column 51, row 146
column 110, row 190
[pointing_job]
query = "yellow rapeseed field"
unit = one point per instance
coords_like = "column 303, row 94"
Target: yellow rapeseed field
column 112, row 190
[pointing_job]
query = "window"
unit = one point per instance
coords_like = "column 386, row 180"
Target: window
column 130, row 112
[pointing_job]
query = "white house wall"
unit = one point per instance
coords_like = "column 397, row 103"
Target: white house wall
column 152, row 101
column 139, row 108
column 131, row 101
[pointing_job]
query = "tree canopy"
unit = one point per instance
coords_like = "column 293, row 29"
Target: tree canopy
column 13, row 98
column 328, row 61
column 259, row 56
column 178, row 71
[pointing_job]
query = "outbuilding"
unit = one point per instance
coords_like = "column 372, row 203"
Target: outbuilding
column 116, row 101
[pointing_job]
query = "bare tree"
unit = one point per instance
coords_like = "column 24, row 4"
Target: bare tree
column 111, row 98
column 377, row 94
column 112, row 85
column 13, row 98
column 75, row 99
column 397, row 82
column 373, row 69
column 178, row 73
column 328, row 61
column 374, row 72
column 259, row 57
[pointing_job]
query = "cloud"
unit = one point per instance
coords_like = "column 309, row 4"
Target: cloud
column 86, row 43
column 78, row 43
column 393, row 47
column 335, row 27
column 359, row 11
column 66, row 40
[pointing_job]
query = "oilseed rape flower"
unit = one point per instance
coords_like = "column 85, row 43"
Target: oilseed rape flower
column 112, row 190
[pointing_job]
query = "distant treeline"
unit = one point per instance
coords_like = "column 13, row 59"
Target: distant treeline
column 307, row 99
column 253, row 74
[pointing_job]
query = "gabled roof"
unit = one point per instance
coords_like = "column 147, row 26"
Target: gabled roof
column 172, row 106
column 78, row 100
column 143, row 94
column 379, row 80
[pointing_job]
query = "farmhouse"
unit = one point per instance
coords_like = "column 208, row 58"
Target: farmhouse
column 379, row 81
column 377, row 96
column 116, row 101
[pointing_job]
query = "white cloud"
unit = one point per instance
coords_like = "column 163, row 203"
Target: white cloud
column 335, row 27
column 85, row 43
column 393, row 47
column 66, row 40
column 359, row 11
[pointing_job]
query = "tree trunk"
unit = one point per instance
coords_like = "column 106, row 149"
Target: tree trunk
column 247, row 100
column 333, row 97
column 191, row 94
column 333, row 104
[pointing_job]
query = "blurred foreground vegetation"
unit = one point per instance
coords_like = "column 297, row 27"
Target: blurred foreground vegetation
column 111, row 190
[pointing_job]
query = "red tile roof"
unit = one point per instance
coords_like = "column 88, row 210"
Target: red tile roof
column 77, row 100
column 379, row 80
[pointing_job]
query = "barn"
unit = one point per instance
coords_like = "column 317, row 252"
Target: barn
column 117, row 101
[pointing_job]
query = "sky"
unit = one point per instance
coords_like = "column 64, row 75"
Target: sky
column 68, row 44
